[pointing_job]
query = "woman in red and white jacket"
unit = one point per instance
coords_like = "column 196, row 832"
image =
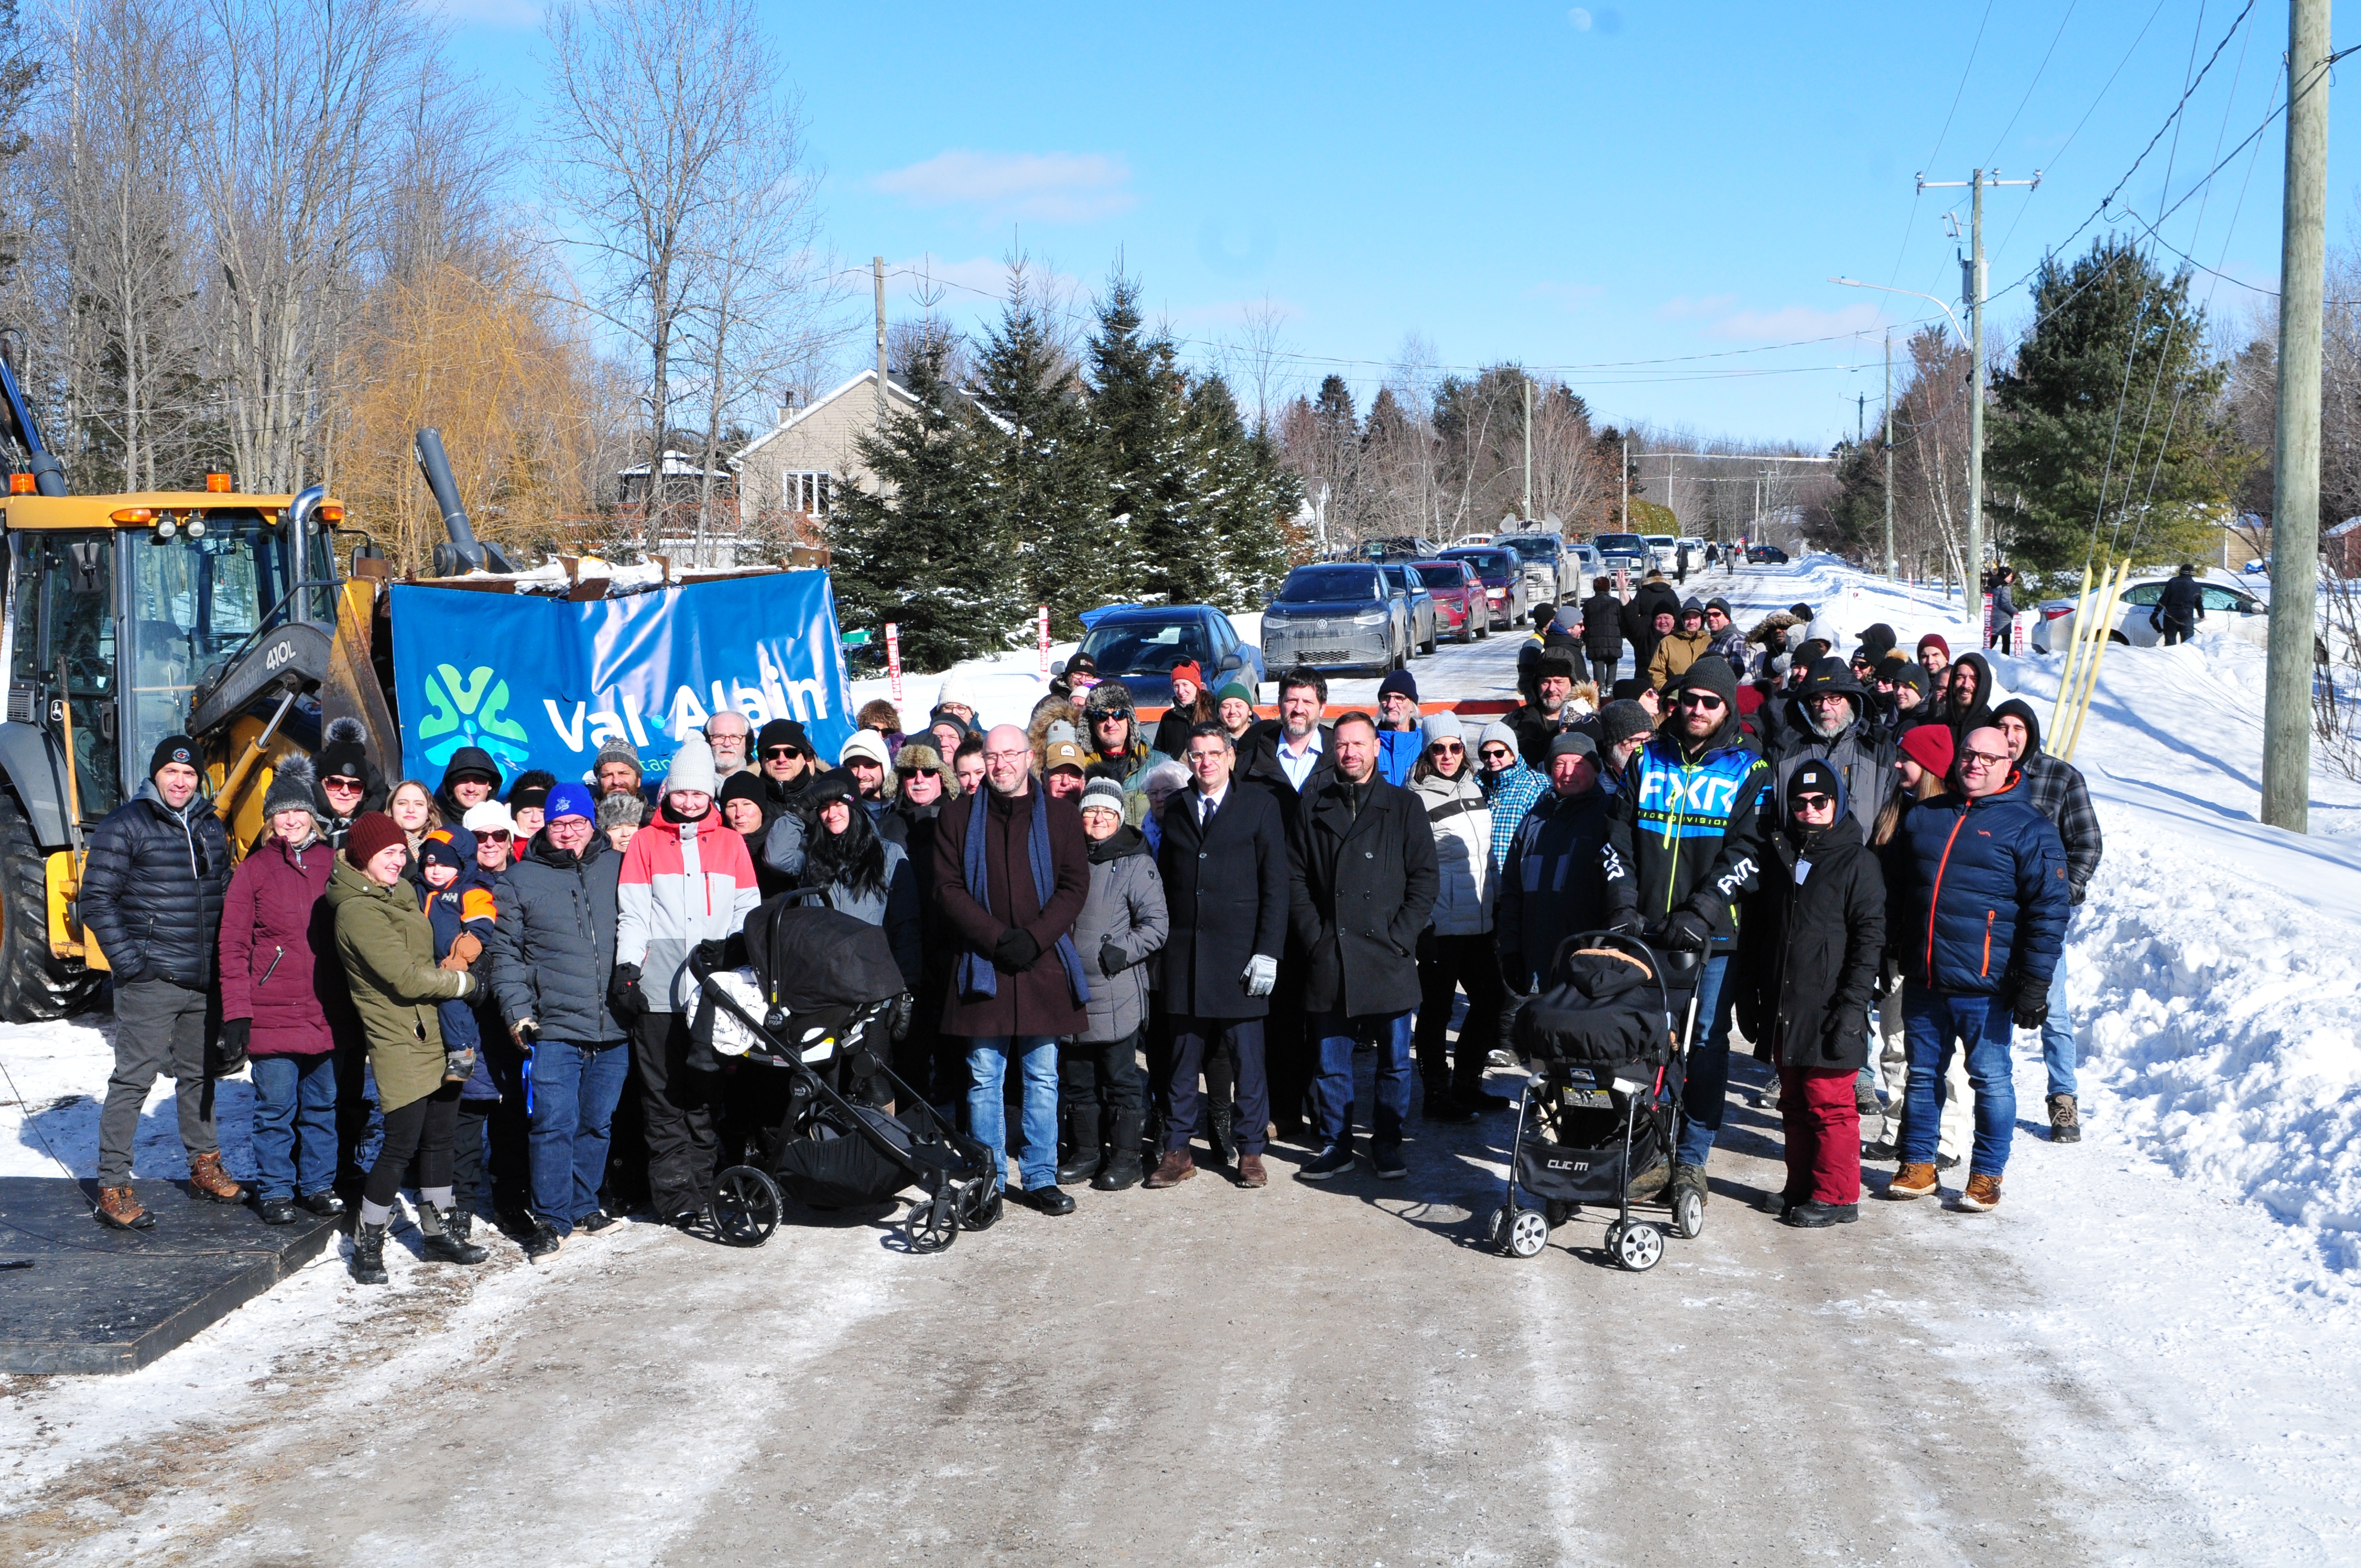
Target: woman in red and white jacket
column 687, row 879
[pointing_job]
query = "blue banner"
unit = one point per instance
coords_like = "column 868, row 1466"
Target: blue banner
column 542, row 682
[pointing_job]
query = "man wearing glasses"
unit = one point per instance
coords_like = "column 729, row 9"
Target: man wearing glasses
column 1681, row 852
column 727, row 733
column 1978, row 909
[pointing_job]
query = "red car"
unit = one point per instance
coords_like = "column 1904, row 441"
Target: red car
column 1459, row 592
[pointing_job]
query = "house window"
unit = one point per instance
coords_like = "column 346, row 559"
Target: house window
column 807, row 491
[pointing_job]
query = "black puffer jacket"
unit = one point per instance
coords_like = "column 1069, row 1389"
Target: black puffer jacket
column 152, row 890
column 553, row 947
column 1602, row 626
column 1810, row 950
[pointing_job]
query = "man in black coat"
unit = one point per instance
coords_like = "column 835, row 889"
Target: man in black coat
column 1551, row 713
column 1602, row 632
column 151, row 898
column 1224, row 861
column 1655, row 597
column 2180, row 606
column 1290, row 758
column 1363, row 879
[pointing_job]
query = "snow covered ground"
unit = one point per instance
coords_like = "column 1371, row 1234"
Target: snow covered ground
column 2194, row 1265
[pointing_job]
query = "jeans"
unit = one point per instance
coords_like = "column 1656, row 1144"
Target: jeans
column 1933, row 1023
column 1332, row 1088
column 1707, row 1089
column 2057, row 1034
column 574, row 1092
column 159, row 1028
column 987, row 1066
column 294, row 1125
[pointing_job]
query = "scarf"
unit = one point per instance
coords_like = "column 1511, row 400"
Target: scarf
column 977, row 976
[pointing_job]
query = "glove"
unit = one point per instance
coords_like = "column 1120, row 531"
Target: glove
column 527, row 1033
column 464, row 947
column 899, row 1023
column 236, row 1034
column 708, row 957
column 1624, row 923
column 1688, row 932
column 1016, row 950
column 624, row 996
column 2030, row 1008
column 1262, row 975
column 1111, row 957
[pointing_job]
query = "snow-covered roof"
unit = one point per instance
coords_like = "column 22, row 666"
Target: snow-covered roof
column 675, row 462
column 2342, row 529
column 893, row 389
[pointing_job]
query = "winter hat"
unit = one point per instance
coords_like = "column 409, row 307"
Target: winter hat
column 1556, row 662
column 617, row 750
column 573, row 800
column 742, row 786
column 1934, row 639
column 618, row 809
column 867, row 745
column 1398, row 683
column 959, row 686
column 174, row 749
column 1441, row 727
column 1102, row 795
column 920, row 757
column 1714, row 675
column 441, row 848
column 1913, row 676
column 1814, row 776
column 1930, row 746
column 466, row 763
column 1187, row 670
column 491, row 816
column 1058, row 732
column 1497, row 731
column 371, row 834
column 1627, row 689
column 1108, row 697
column 1800, row 610
column 1694, row 607
column 1720, row 604
column 2018, row 708
column 945, row 716
column 1574, row 743
column 345, row 755
column 692, row 768
column 1544, row 614
column 1063, row 755
column 293, row 787
column 1233, row 690
column 525, row 797
column 1831, row 674
column 781, row 732
column 1618, row 721
column 1879, row 639
column 533, row 781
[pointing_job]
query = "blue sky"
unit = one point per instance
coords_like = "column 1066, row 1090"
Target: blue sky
column 1576, row 189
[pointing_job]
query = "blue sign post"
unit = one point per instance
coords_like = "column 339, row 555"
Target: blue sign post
column 543, row 683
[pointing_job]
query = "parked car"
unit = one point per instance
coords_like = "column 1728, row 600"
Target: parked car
column 1767, row 555
column 1587, row 564
column 1544, row 555
column 2256, row 568
column 1459, row 606
column 1471, row 539
column 1139, row 644
column 1625, row 552
column 1397, row 547
column 1660, row 550
column 1336, row 615
column 1403, row 579
column 2229, row 608
column 1503, row 576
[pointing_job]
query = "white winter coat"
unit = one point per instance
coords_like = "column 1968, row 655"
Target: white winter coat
column 1455, row 809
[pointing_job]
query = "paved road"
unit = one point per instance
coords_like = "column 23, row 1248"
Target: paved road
column 1303, row 1375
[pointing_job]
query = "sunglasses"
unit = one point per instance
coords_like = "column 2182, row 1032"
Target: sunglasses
column 342, row 785
column 1704, row 702
column 1448, row 749
column 914, row 772
column 496, row 835
column 780, row 754
column 1497, row 754
column 1814, row 802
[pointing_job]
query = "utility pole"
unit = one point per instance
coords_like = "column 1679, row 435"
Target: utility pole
column 1526, row 516
column 878, row 263
column 2295, row 497
column 1626, row 484
column 1860, row 412
column 1979, row 182
column 1889, row 456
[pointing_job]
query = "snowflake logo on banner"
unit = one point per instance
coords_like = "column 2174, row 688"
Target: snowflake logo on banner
column 470, row 713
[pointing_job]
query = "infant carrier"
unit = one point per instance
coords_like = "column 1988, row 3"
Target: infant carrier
column 1606, row 1042
column 810, row 1013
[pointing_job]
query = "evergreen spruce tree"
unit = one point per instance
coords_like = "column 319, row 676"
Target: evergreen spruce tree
column 1037, row 466
column 928, row 549
column 1136, row 410
column 1244, row 502
column 2073, row 416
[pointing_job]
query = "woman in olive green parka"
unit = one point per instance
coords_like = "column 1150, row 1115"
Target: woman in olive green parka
column 388, row 949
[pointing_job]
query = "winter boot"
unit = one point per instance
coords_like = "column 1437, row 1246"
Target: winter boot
column 1913, row 1181
column 368, row 1255
column 440, row 1244
column 208, row 1179
column 117, row 1208
column 1083, row 1133
column 1983, row 1195
column 2065, row 1119
column 1688, row 1178
column 1122, row 1166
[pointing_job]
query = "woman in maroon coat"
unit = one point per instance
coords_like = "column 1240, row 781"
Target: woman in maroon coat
column 282, row 985
column 1012, row 872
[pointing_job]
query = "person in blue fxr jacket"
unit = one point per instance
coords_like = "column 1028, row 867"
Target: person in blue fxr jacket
column 1977, row 904
column 1399, row 743
column 1682, row 849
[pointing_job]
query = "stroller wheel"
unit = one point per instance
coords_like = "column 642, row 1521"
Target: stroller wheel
column 1495, row 1229
column 1528, row 1233
column 982, row 1209
column 746, row 1206
column 1688, row 1216
column 1637, row 1246
column 931, row 1225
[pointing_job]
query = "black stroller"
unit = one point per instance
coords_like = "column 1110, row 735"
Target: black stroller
column 817, row 1012
column 1610, row 1037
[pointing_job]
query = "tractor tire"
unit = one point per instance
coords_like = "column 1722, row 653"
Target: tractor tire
column 34, row 984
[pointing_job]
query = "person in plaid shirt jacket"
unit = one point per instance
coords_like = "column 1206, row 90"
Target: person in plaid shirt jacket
column 2055, row 789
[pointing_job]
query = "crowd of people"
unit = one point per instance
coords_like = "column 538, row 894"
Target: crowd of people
column 1130, row 952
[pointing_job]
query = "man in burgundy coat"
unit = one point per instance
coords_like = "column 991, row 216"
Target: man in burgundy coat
column 1012, row 871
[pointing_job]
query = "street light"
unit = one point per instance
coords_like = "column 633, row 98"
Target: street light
column 1886, row 289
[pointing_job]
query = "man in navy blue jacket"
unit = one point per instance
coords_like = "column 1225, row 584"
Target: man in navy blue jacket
column 1978, row 903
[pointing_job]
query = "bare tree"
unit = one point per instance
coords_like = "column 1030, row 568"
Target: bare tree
column 1258, row 351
